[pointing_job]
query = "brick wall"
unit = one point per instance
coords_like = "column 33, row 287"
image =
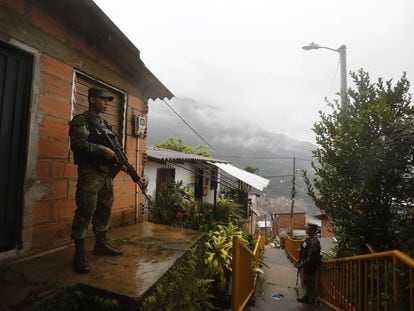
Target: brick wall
column 61, row 50
column 282, row 222
column 327, row 227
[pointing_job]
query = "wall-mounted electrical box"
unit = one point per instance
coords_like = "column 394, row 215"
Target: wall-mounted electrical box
column 139, row 124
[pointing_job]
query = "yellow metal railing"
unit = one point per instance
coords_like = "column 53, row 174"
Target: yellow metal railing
column 292, row 248
column 380, row 281
column 243, row 275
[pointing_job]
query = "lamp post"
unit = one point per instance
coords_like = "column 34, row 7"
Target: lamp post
column 342, row 54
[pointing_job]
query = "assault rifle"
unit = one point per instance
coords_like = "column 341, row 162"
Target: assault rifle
column 120, row 157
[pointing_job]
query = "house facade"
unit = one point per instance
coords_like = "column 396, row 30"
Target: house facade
column 196, row 172
column 284, row 220
column 208, row 178
column 51, row 52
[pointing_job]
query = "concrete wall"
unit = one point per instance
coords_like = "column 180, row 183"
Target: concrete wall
column 50, row 183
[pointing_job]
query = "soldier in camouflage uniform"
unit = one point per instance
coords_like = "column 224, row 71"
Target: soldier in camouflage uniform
column 310, row 259
column 94, row 191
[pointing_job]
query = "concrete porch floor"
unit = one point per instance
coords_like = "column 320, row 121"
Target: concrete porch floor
column 150, row 250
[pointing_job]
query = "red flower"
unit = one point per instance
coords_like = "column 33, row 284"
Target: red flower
column 179, row 214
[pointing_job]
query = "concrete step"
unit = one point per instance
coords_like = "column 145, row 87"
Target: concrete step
column 150, row 251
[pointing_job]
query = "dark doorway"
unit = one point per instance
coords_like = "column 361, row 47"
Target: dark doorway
column 15, row 88
column 198, row 185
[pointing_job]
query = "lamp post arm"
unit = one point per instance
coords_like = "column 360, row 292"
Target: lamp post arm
column 326, row 48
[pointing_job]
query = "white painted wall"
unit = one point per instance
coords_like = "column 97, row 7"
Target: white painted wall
column 184, row 172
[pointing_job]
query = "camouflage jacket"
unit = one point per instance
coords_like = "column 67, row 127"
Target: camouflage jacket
column 87, row 143
column 310, row 254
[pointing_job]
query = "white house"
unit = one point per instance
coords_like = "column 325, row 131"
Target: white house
column 203, row 175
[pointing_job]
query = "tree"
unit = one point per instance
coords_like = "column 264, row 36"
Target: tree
column 365, row 166
column 177, row 144
column 251, row 169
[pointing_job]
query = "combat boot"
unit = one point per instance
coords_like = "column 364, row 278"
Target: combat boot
column 80, row 262
column 102, row 248
column 303, row 299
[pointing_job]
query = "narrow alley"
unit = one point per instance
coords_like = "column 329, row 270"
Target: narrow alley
column 276, row 287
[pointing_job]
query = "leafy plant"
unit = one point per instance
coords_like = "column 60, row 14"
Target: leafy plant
column 180, row 289
column 170, row 202
column 218, row 253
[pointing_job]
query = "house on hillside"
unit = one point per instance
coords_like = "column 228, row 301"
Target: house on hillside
column 280, row 211
column 207, row 177
column 51, row 53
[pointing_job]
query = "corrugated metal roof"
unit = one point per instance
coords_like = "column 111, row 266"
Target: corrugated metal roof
column 171, row 155
column 251, row 179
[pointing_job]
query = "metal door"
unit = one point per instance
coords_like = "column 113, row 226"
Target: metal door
column 15, row 88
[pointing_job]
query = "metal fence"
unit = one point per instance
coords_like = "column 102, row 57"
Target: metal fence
column 292, row 248
column 379, row 281
column 243, row 273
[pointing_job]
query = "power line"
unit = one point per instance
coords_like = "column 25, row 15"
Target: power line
column 182, row 119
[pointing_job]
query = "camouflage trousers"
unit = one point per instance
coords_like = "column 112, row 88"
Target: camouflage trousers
column 309, row 280
column 94, row 199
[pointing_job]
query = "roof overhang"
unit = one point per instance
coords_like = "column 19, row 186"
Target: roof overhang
column 87, row 19
column 251, row 179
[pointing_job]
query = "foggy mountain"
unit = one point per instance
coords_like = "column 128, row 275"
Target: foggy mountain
column 241, row 143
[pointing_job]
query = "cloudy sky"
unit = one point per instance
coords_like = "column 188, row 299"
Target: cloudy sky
column 245, row 57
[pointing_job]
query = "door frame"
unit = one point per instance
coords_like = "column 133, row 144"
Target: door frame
column 31, row 190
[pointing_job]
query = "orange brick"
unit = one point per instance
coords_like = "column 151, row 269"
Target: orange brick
column 54, row 149
column 70, row 207
column 109, row 63
column 135, row 102
column 55, row 87
column 130, row 186
column 71, row 189
column 43, row 169
column 51, row 127
column 47, row 24
column 63, row 210
column 131, row 154
column 55, row 107
column 59, row 189
column 64, row 169
column 48, row 235
column 123, row 201
column 79, row 43
column 131, row 142
column 118, row 185
column 41, row 212
column 56, row 68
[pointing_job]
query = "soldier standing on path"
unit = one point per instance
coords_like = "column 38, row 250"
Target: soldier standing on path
column 310, row 259
column 96, row 170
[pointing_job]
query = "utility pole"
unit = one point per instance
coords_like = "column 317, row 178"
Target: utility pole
column 292, row 206
column 342, row 55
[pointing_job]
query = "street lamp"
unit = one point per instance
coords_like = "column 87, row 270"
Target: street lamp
column 342, row 54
